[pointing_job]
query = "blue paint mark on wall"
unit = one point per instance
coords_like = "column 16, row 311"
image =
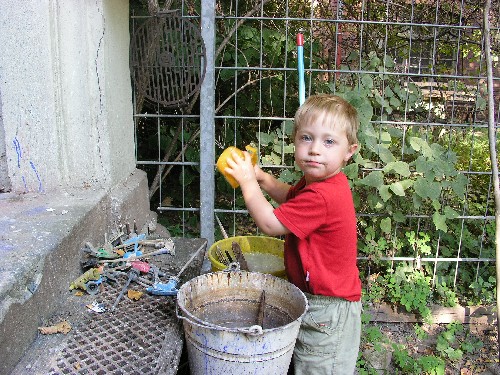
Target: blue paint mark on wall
column 40, row 188
column 19, row 153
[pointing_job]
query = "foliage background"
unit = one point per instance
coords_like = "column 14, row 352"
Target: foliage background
column 422, row 178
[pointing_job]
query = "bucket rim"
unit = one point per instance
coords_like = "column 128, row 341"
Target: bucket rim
column 251, row 236
column 245, row 330
column 219, row 266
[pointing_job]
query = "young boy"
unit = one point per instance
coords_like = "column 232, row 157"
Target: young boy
column 319, row 223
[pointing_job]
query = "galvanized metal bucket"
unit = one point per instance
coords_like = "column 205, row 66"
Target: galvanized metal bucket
column 221, row 312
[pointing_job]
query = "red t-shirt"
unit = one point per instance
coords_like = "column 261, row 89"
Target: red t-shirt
column 321, row 251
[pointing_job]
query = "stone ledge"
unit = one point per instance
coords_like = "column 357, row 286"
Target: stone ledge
column 41, row 237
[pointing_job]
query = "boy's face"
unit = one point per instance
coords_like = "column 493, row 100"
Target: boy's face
column 321, row 150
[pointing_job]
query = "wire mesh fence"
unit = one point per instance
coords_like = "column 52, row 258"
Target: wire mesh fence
column 416, row 73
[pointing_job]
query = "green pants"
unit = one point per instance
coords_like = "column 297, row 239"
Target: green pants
column 329, row 336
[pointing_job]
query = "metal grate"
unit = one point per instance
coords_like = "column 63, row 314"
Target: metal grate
column 136, row 338
column 167, row 60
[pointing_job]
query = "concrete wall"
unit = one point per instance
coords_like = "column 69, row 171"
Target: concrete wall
column 66, row 152
column 66, row 113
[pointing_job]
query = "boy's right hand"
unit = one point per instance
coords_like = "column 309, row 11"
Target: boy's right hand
column 240, row 168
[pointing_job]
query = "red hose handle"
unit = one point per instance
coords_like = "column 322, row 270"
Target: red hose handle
column 300, row 39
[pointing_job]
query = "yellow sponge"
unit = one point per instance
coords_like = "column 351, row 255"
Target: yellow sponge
column 222, row 161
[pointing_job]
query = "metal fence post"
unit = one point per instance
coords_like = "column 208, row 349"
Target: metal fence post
column 207, row 124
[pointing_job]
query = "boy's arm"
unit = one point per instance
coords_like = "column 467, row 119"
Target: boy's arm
column 259, row 208
column 276, row 189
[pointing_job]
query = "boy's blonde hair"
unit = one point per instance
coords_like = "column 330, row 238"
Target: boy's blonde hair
column 337, row 112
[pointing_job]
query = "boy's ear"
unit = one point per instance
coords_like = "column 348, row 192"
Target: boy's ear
column 352, row 150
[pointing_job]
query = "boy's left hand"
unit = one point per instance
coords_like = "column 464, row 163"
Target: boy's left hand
column 241, row 169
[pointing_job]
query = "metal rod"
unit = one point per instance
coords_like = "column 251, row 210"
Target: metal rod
column 300, row 68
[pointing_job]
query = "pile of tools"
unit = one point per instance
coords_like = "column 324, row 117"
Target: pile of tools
column 128, row 255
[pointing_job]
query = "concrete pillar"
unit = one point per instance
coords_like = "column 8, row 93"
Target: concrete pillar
column 65, row 94
column 66, row 153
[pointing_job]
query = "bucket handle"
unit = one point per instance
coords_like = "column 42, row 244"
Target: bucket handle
column 253, row 331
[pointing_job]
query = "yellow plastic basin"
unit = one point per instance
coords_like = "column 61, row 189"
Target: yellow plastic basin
column 263, row 254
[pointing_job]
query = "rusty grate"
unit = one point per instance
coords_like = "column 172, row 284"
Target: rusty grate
column 167, row 58
column 136, row 338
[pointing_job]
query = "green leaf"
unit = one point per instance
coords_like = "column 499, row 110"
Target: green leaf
column 407, row 183
column 413, row 87
column 458, row 185
column 288, row 176
column 279, row 134
column 385, row 155
column 416, row 143
column 369, row 143
column 395, row 102
column 420, row 186
column 265, row 138
column 423, row 166
column 375, row 179
column 351, row 170
column 384, row 192
column 399, row 167
column 379, row 99
column 438, row 151
column 246, row 32
column 450, row 213
column 419, row 144
column 367, row 81
column 442, row 344
column 436, row 205
column 412, row 99
column 426, row 188
column 398, row 189
column 277, row 149
column 385, row 225
column 417, row 201
column 374, row 60
column 374, row 202
column 288, row 127
column 353, row 56
column 362, row 105
column 385, row 138
column 439, row 221
column 434, row 190
column 226, row 74
column 388, row 61
column 399, row 91
column 453, row 354
column 387, row 106
column 272, row 159
column 395, row 133
column 399, row 217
